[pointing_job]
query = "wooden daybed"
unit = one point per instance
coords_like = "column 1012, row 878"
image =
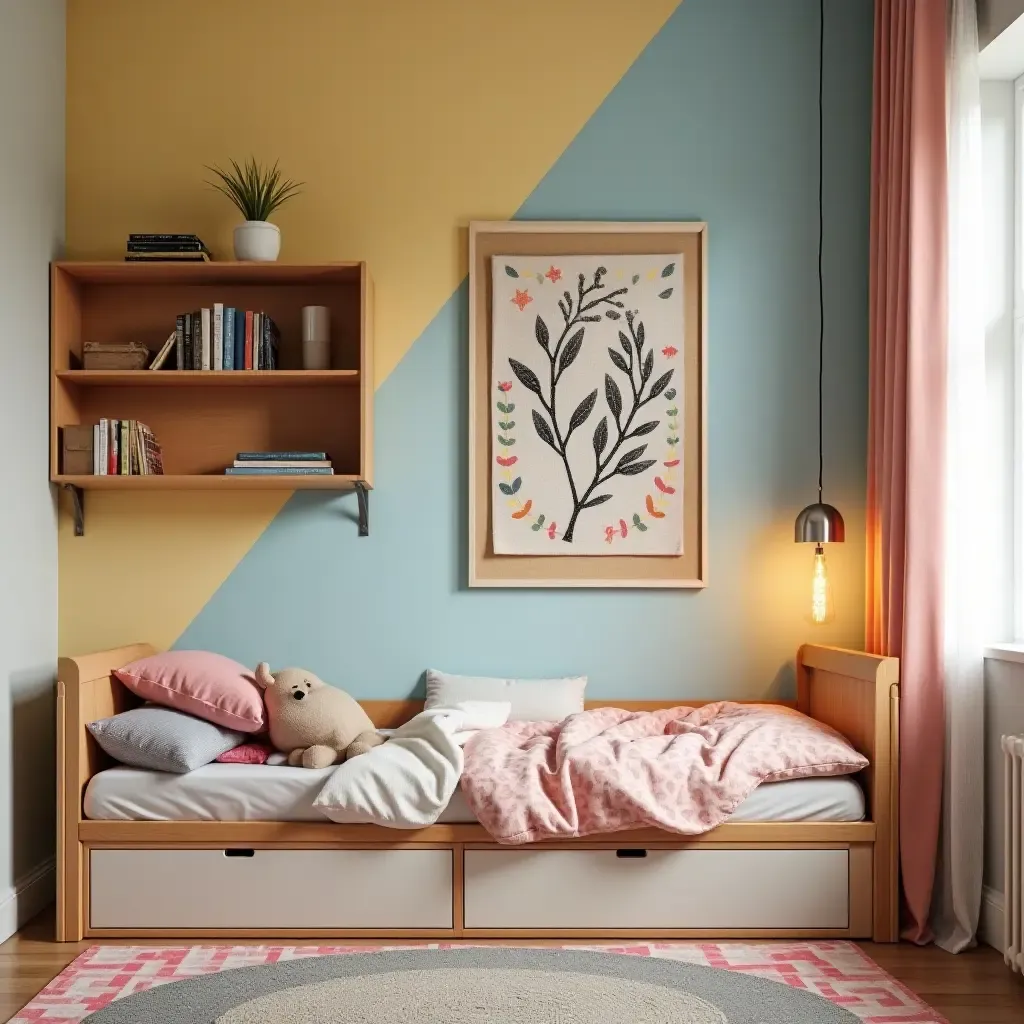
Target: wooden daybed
column 253, row 879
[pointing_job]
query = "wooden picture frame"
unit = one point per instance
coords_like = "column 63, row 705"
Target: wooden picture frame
column 688, row 570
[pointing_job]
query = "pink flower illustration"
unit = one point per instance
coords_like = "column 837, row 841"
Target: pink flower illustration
column 505, row 385
column 669, row 351
column 522, row 299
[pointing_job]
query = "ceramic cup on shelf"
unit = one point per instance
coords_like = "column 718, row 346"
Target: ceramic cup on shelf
column 257, row 240
column 316, row 338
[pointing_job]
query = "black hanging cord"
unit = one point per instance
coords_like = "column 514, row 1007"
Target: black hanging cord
column 821, row 286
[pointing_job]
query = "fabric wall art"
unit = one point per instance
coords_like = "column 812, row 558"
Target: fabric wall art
column 586, row 395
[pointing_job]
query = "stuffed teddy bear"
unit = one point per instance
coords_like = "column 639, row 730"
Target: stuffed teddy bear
column 315, row 724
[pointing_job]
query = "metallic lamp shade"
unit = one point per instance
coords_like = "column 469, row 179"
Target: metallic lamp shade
column 820, row 524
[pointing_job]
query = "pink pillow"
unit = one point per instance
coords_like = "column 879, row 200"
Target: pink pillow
column 246, row 753
column 201, row 683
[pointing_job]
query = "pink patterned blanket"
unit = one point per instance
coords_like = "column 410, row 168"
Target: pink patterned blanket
column 683, row 769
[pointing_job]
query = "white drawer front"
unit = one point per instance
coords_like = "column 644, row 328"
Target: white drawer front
column 564, row 889
column 271, row 889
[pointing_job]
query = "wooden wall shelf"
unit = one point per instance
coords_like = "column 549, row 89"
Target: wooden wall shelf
column 203, row 418
column 208, row 378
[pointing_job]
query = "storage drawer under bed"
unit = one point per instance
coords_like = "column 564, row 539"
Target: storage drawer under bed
column 649, row 889
column 266, row 889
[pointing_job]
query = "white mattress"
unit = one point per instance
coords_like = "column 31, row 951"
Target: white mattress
column 253, row 792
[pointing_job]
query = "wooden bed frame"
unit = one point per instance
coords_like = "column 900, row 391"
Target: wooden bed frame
column 855, row 693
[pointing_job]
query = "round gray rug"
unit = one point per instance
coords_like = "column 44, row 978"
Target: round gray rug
column 475, row 986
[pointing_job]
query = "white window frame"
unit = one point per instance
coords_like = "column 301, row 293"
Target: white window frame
column 1018, row 358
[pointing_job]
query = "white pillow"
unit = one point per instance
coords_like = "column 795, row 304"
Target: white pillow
column 532, row 700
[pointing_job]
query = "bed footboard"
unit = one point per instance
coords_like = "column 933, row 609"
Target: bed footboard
column 858, row 695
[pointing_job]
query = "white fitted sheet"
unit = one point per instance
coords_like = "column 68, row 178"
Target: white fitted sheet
column 255, row 792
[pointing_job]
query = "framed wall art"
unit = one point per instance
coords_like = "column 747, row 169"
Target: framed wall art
column 587, row 372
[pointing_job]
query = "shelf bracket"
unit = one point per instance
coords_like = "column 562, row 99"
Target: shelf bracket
column 78, row 504
column 363, row 495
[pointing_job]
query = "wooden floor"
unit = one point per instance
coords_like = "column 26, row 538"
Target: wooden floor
column 973, row 988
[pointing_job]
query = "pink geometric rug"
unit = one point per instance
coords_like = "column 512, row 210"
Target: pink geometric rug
column 839, row 971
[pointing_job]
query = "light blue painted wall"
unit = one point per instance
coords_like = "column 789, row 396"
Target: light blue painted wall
column 716, row 121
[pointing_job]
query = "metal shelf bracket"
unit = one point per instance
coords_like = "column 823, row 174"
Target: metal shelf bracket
column 78, row 505
column 363, row 496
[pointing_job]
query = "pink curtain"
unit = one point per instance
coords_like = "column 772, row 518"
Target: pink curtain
column 907, row 412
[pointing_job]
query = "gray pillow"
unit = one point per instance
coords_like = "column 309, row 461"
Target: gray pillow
column 162, row 739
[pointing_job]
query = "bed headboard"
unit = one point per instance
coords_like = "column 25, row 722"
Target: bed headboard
column 858, row 695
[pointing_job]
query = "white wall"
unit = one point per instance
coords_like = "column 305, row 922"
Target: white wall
column 31, row 233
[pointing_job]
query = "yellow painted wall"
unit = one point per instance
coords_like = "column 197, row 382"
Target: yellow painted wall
column 405, row 118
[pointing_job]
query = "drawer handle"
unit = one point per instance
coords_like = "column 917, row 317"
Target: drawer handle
column 239, row 853
column 630, row 854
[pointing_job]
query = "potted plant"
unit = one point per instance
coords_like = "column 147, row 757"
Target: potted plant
column 257, row 192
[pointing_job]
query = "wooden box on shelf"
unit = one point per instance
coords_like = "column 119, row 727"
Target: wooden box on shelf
column 203, row 418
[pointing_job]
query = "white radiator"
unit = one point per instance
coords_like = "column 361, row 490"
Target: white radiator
column 1013, row 887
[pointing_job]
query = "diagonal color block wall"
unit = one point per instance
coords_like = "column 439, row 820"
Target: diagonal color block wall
column 407, row 121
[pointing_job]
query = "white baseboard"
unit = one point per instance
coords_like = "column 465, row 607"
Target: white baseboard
column 990, row 925
column 29, row 895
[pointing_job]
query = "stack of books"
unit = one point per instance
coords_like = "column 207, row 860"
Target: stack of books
column 225, row 338
column 125, row 448
column 281, row 464
column 166, row 249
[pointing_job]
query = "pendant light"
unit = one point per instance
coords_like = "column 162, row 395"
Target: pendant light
column 820, row 524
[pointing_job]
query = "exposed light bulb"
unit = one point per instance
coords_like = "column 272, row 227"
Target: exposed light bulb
column 822, row 609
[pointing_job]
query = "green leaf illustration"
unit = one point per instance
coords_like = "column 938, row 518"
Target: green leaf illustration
column 616, row 358
column 507, row 424
column 636, row 277
column 535, row 527
column 673, row 441
column 601, row 436
column 516, row 484
column 505, row 489
column 672, row 412
column 667, row 272
column 670, row 394
column 510, row 271
column 526, row 376
column 540, row 279
column 665, row 294
column 583, row 410
column 636, row 468
column 540, row 519
column 613, row 314
column 510, row 407
column 502, row 407
column 640, row 526
column 544, row 431
column 661, row 383
column 599, row 500
column 570, row 351
column 506, row 441
column 613, row 395
column 541, row 330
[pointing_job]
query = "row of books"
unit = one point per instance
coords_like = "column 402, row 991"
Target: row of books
column 125, row 448
column 221, row 338
column 281, row 464
column 166, row 249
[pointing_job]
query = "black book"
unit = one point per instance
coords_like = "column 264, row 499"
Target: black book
column 165, row 238
column 167, row 247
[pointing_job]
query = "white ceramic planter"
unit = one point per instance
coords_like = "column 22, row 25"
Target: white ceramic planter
column 257, row 240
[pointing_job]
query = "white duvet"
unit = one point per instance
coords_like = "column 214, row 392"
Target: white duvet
column 408, row 781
